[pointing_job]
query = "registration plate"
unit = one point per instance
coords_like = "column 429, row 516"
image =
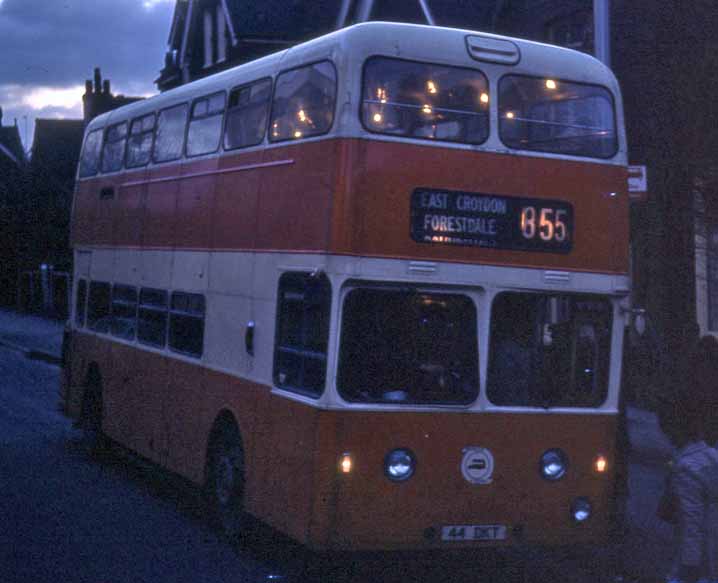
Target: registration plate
column 473, row 532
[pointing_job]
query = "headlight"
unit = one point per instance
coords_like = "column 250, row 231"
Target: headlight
column 553, row 465
column 580, row 510
column 399, row 465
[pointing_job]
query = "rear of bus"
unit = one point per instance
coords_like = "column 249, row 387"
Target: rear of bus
column 477, row 310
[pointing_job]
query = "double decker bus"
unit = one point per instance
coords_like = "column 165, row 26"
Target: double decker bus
column 370, row 290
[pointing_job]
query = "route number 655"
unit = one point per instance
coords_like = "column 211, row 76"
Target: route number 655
column 547, row 223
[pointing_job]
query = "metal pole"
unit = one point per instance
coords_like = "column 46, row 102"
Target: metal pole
column 602, row 30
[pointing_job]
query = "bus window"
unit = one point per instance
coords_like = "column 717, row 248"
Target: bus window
column 90, row 160
column 247, row 115
column 408, row 347
column 300, row 357
column 187, row 323
column 304, row 101
column 549, row 351
column 80, row 302
column 170, row 133
column 561, row 117
column 124, row 312
column 152, row 318
column 422, row 100
column 139, row 144
column 205, row 126
column 113, row 152
column 98, row 307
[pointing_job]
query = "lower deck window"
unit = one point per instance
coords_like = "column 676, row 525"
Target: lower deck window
column 549, row 350
column 98, row 307
column 187, row 323
column 404, row 346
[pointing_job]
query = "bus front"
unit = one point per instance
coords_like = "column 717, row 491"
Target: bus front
column 479, row 296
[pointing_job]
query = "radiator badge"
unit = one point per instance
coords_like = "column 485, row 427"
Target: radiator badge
column 477, row 465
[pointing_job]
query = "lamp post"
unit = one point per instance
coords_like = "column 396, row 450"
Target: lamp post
column 602, row 30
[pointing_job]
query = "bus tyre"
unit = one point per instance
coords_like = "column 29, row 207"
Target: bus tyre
column 225, row 483
column 91, row 415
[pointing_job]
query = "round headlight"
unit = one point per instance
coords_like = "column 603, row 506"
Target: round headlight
column 553, row 465
column 399, row 465
column 580, row 510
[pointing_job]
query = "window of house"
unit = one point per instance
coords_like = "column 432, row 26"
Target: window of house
column 169, row 140
column 113, row 151
column 80, row 302
column 556, row 116
column 124, row 312
column 303, row 104
column 247, row 115
column 221, row 34
column 208, row 56
column 98, row 307
column 90, row 159
column 152, row 317
column 549, row 350
column 186, row 331
column 408, row 347
column 139, row 144
column 423, row 100
column 300, row 356
column 205, row 126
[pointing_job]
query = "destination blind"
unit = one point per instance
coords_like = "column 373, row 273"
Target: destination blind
column 491, row 221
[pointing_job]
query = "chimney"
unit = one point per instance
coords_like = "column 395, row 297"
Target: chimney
column 98, row 80
column 88, row 87
column 106, row 87
column 0, row 117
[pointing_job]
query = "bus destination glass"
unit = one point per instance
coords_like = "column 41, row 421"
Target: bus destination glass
column 487, row 220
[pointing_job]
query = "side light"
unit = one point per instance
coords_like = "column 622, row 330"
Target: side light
column 346, row 463
column 581, row 510
column 600, row 464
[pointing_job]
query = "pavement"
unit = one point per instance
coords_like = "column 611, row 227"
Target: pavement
column 647, row 545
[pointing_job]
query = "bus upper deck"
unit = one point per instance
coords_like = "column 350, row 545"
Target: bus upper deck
column 373, row 141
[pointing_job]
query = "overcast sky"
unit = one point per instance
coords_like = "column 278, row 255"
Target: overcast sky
column 49, row 47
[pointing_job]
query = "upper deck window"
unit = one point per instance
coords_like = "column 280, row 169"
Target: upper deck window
column 139, row 144
column 170, row 133
column 408, row 347
column 247, row 115
column 205, row 126
column 90, row 160
column 561, row 117
column 422, row 100
column 303, row 103
column 113, row 152
column 549, row 350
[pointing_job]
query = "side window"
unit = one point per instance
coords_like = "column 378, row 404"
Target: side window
column 90, row 159
column 303, row 103
column 98, row 307
column 80, row 302
column 187, row 323
column 300, row 355
column 139, row 144
column 205, row 126
column 113, row 151
column 247, row 115
column 170, row 133
column 152, row 318
column 124, row 312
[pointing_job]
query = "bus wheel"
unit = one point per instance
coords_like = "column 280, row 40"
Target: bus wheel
column 91, row 414
column 225, row 482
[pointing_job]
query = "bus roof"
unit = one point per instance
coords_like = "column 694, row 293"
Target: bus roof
column 358, row 42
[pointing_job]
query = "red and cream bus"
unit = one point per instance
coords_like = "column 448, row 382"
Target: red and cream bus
column 371, row 289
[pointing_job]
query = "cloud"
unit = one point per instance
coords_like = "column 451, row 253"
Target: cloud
column 50, row 47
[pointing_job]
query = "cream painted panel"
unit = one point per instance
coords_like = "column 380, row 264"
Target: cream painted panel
column 269, row 267
column 227, row 317
column 265, row 318
column 102, row 265
column 156, row 269
column 127, row 266
column 231, row 273
column 190, row 271
column 83, row 259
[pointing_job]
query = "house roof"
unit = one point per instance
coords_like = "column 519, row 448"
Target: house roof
column 10, row 144
column 56, row 147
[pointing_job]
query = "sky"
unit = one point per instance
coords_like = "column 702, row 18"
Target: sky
column 48, row 48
